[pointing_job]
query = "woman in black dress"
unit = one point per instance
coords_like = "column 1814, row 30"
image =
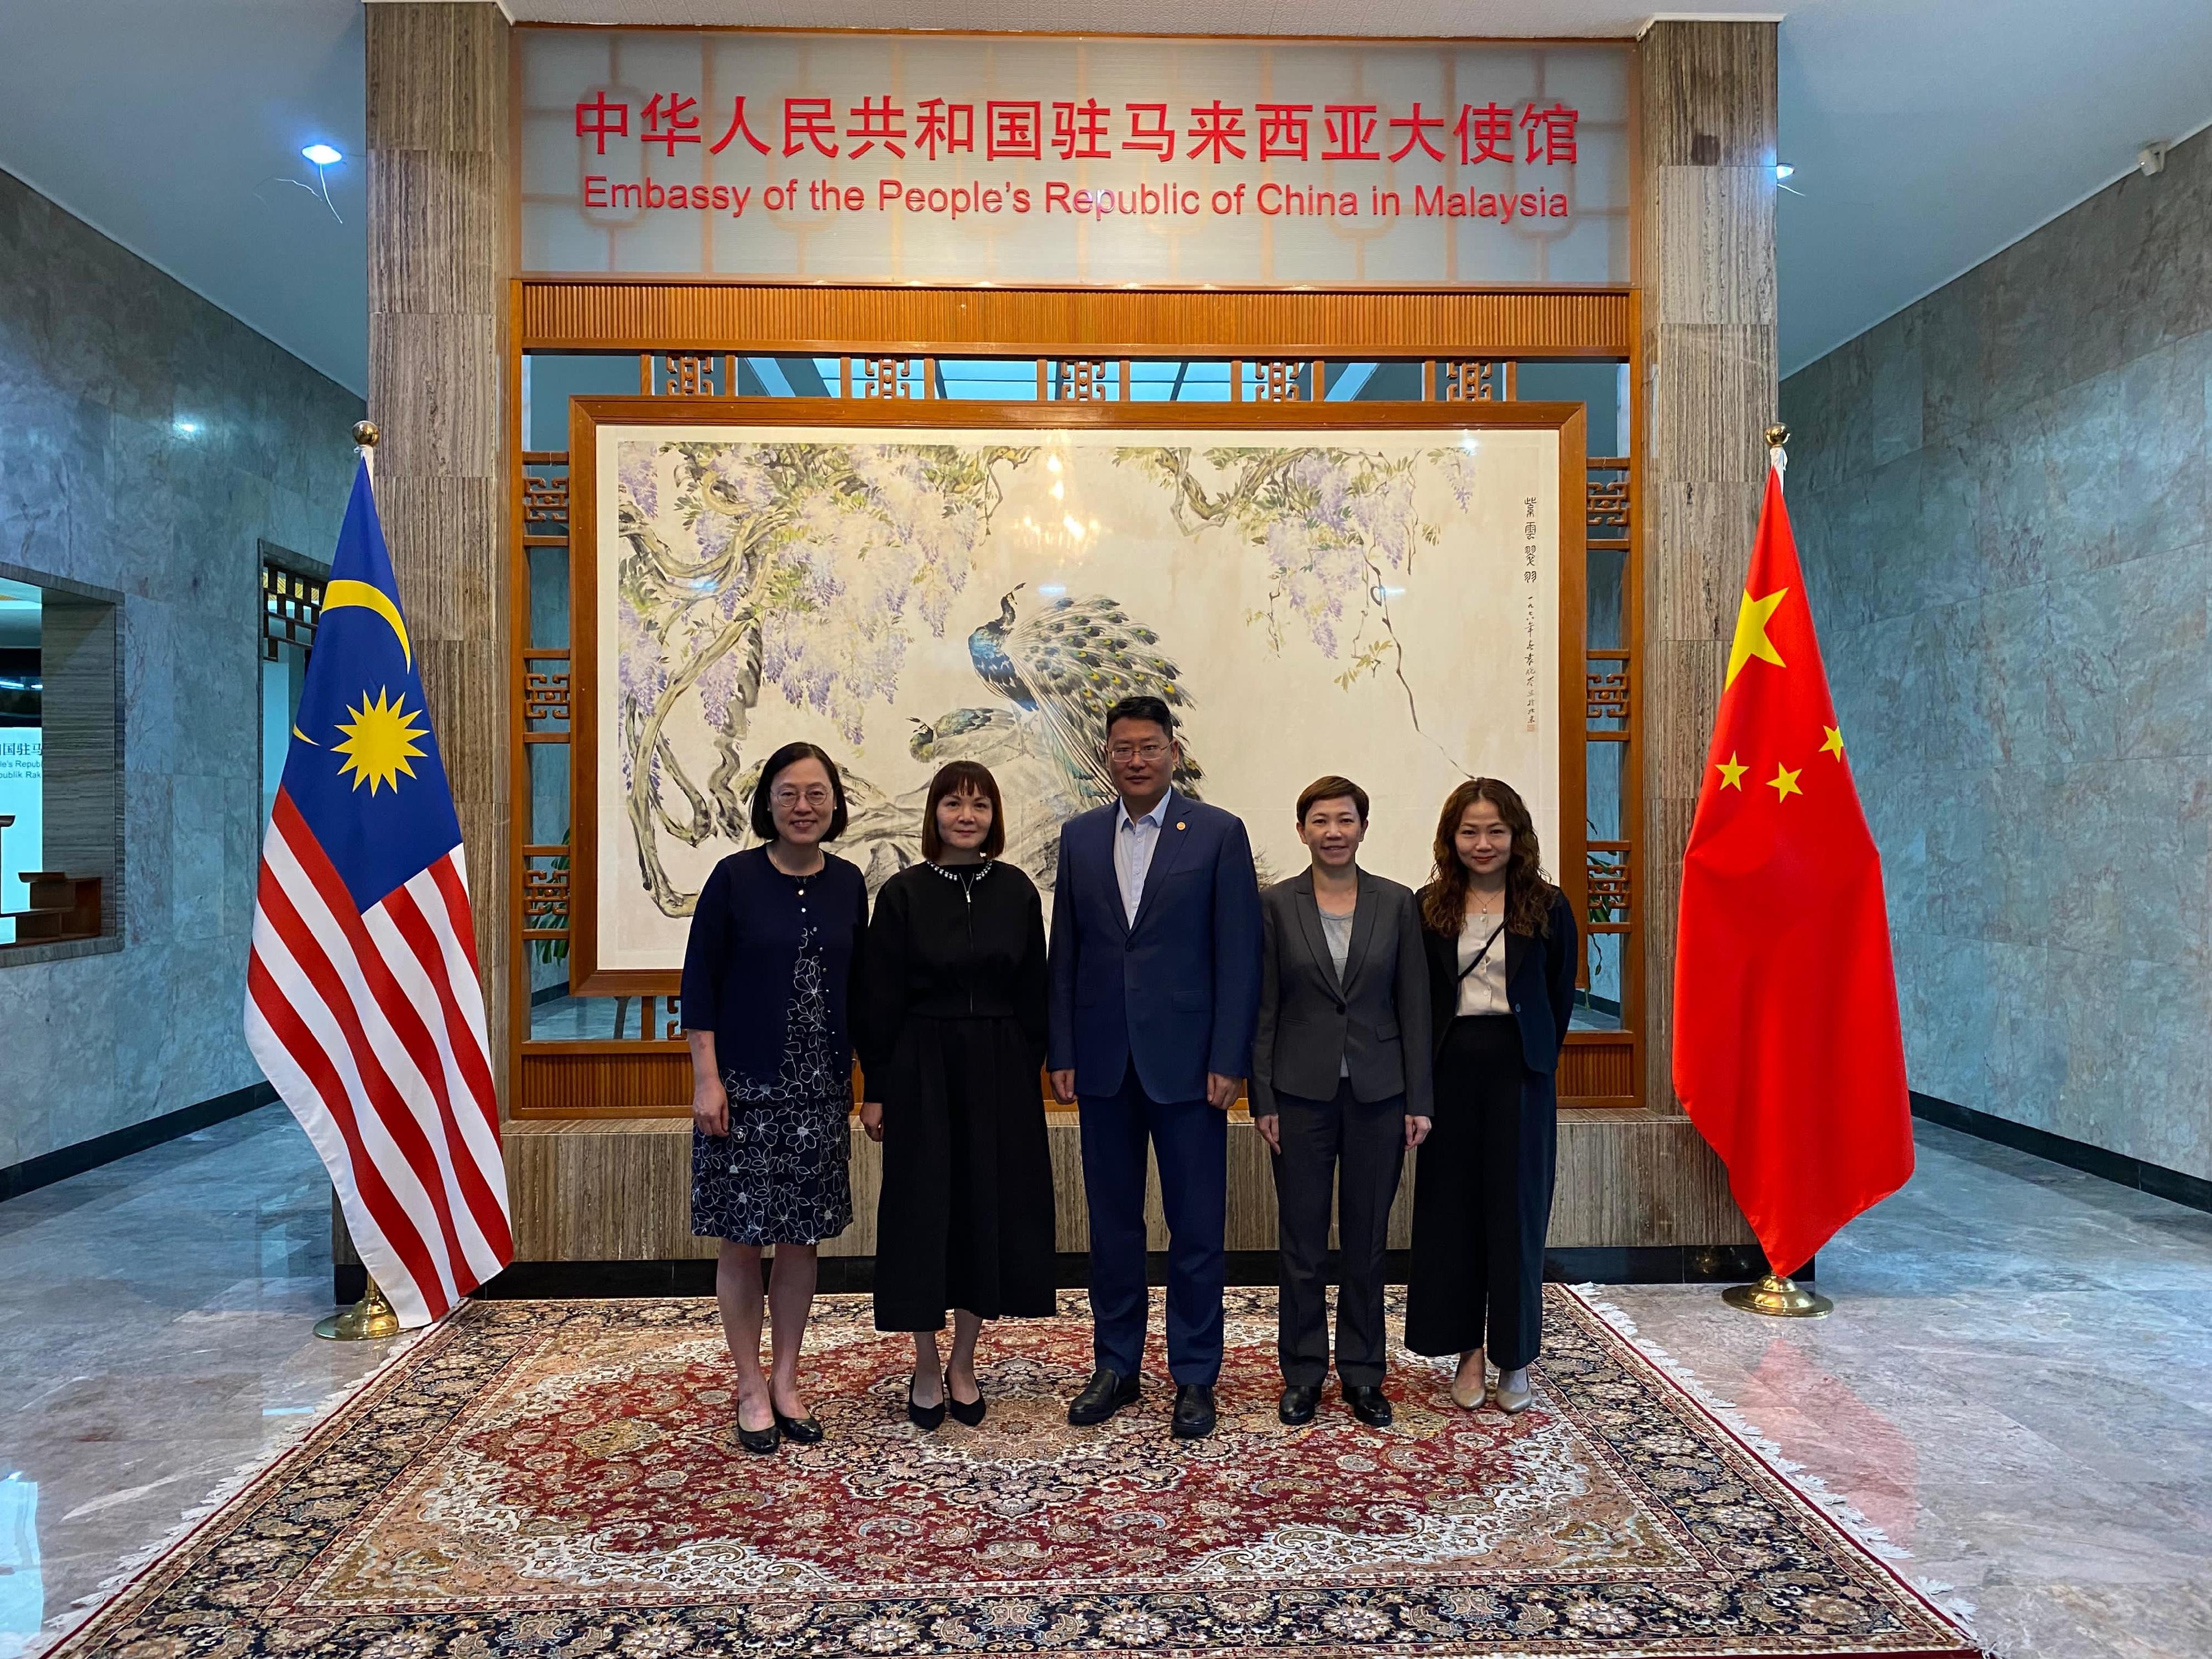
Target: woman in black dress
column 952, row 1043
column 775, row 942
column 1502, row 947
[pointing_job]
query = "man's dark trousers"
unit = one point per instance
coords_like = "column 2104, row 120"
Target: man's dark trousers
column 1191, row 1138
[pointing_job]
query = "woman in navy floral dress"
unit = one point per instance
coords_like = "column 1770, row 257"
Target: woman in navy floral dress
column 767, row 976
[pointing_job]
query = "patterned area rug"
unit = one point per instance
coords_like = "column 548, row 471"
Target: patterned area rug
column 561, row 1481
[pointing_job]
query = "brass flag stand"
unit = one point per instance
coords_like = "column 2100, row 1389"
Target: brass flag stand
column 366, row 1320
column 1776, row 1296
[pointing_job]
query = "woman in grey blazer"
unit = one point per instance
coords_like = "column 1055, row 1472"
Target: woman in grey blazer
column 1340, row 1078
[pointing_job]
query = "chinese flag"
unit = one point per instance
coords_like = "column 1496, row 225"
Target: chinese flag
column 1787, row 1050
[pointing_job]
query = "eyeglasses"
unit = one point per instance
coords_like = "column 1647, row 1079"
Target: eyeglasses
column 813, row 795
column 1144, row 751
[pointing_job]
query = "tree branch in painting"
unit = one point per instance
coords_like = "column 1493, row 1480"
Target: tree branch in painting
column 797, row 568
column 1337, row 526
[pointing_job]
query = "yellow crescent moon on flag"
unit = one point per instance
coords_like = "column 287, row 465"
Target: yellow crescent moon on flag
column 344, row 592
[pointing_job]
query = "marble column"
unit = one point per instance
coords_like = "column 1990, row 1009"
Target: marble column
column 1706, row 269
column 438, row 258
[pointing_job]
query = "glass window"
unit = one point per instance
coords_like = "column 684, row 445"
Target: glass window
column 60, row 772
column 1172, row 380
column 1599, row 388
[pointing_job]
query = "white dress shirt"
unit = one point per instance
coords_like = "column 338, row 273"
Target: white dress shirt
column 1134, row 842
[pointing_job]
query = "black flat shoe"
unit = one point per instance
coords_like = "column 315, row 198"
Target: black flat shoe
column 762, row 1442
column 1106, row 1392
column 925, row 1417
column 967, row 1412
column 1194, row 1412
column 1299, row 1403
column 801, row 1430
column 1370, row 1404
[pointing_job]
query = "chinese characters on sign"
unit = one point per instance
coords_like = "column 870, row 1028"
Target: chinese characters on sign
column 1048, row 159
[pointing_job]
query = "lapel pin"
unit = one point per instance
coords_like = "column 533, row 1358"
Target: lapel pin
column 1178, row 823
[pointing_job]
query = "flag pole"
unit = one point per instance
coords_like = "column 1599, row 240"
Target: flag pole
column 373, row 1317
column 1778, row 1295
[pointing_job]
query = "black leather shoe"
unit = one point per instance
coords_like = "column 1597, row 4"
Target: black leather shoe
column 1370, row 1404
column 762, row 1442
column 925, row 1417
column 1106, row 1392
column 1300, row 1401
column 801, row 1430
column 1194, row 1412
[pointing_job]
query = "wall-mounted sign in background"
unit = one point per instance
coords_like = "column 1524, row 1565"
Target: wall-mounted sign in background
column 1059, row 161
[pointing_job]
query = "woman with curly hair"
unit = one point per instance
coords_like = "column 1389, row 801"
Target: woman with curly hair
column 1502, row 949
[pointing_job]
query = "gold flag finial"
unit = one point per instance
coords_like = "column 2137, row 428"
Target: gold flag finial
column 1777, row 435
column 365, row 433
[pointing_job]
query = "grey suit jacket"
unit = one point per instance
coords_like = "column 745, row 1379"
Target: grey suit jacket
column 1377, row 1019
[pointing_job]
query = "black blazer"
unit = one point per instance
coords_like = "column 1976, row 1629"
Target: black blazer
column 1540, row 983
column 1377, row 1019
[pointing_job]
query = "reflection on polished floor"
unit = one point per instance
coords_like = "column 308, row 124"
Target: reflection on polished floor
column 2016, row 1384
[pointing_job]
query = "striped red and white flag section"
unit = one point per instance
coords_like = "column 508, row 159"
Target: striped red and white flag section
column 362, row 1004
column 371, row 1025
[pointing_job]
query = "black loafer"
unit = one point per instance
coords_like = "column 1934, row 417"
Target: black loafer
column 1194, row 1412
column 762, row 1442
column 1106, row 1392
column 1370, row 1404
column 802, row 1431
column 1300, row 1401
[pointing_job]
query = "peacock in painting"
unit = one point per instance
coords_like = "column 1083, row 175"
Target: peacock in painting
column 1056, row 670
column 1068, row 663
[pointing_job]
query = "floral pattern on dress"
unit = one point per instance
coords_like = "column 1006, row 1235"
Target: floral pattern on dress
column 781, row 1176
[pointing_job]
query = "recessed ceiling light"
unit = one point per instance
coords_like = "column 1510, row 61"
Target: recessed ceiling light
column 184, row 429
column 323, row 155
column 1781, row 170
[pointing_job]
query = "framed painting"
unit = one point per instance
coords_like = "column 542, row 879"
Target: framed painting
column 1391, row 594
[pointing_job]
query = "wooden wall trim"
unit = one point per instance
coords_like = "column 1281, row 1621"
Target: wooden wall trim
column 769, row 320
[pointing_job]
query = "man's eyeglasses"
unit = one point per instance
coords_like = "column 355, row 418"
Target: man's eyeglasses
column 1134, row 751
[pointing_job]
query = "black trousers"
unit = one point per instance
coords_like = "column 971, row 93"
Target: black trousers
column 1367, row 1142
column 1482, row 1199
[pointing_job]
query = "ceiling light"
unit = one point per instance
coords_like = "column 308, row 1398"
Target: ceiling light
column 1782, row 170
column 323, row 155
column 184, row 429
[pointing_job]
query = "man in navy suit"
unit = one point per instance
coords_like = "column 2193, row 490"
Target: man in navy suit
column 1155, row 992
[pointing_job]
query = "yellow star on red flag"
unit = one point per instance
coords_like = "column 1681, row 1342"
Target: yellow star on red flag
column 1834, row 745
column 1731, row 771
column 1784, row 783
column 1751, row 640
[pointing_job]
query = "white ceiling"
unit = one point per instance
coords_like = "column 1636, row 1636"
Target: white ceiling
column 1926, row 134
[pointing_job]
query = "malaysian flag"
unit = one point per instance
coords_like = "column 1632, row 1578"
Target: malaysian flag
column 362, row 1004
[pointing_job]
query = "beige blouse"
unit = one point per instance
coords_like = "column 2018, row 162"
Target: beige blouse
column 1483, row 990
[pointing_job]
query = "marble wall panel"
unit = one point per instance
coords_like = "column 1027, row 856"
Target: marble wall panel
column 100, row 357
column 2004, row 506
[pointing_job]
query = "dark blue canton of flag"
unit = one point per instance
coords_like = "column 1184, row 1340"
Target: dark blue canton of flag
column 364, row 769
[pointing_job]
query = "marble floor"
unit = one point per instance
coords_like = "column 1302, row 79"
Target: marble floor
column 2016, row 1384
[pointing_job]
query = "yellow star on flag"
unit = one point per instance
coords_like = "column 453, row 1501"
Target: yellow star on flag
column 1784, row 783
column 379, row 741
column 1751, row 639
column 1834, row 745
column 1731, row 773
